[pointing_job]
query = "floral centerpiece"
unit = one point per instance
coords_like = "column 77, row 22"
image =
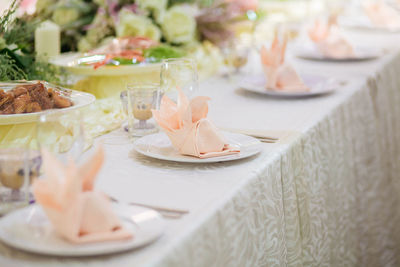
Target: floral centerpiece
column 88, row 24
column 185, row 25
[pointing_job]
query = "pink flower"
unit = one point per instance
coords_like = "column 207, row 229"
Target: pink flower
column 27, row 6
column 245, row 4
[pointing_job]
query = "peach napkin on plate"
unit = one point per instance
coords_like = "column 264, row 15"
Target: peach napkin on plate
column 280, row 75
column 188, row 128
column 383, row 15
column 77, row 212
column 328, row 40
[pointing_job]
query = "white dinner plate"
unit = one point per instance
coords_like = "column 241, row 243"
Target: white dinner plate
column 311, row 52
column 70, row 61
column 319, row 85
column 29, row 229
column 79, row 100
column 159, row 146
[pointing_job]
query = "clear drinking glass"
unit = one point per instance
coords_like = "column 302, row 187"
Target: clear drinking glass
column 62, row 133
column 179, row 73
column 235, row 54
column 19, row 165
column 124, row 101
column 142, row 98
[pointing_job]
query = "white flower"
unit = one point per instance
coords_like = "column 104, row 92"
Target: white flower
column 156, row 7
column 208, row 57
column 64, row 15
column 43, row 5
column 179, row 25
column 84, row 45
column 133, row 25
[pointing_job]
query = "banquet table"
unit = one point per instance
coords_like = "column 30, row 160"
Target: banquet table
column 326, row 194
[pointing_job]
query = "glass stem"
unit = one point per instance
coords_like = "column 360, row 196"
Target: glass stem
column 15, row 194
column 142, row 124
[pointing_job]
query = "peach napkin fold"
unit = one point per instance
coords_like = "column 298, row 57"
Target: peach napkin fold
column 280, row 75
column 188, row 128
column 328, row 40
column 77, row 212
column 382, row 15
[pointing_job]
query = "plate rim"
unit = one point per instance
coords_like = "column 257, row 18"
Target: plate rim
column 191, row 159
column 19, row 244
column 301, row 52
column 7, row 119
column 111, row 70
column 283, row 94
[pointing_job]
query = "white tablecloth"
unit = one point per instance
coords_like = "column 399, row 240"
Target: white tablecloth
column 326, row 195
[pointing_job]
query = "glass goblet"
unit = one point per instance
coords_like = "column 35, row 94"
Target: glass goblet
column 179, row 73
column 142, row 98
column 62, row 133
column 18, row 167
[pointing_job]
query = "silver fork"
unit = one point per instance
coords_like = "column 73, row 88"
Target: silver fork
column 263, row 138
column 165, row 212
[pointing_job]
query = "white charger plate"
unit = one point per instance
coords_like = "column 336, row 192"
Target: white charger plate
column 29, row 229
column 362, row 53
column 319, row 85
column 79, row 100
column 159, row 146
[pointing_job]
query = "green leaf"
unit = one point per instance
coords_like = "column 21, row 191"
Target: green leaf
column 20, row 60
column 156, row 54
column 7, row 17
column 9, row 70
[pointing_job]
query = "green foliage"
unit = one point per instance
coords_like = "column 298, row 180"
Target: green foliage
column 9, row 70
column 156, row 54
column 17, row 58
column 21, row 33
column 200, row 2
column 173, row 2
column 42, row 70
column 6, row 18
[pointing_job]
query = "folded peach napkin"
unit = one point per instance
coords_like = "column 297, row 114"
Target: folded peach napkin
column 77, row 212
column 188, row 128
column 328, row 40
column 280, row 76
column 383, row 15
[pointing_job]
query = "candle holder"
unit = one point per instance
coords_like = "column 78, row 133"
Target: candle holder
column 235, row 56
column 142, row 98
column 18, row 167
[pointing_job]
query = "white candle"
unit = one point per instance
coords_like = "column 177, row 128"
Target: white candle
column 47, row 39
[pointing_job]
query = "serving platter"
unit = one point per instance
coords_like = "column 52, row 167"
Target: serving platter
column 72, row 62
column 79, row 100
